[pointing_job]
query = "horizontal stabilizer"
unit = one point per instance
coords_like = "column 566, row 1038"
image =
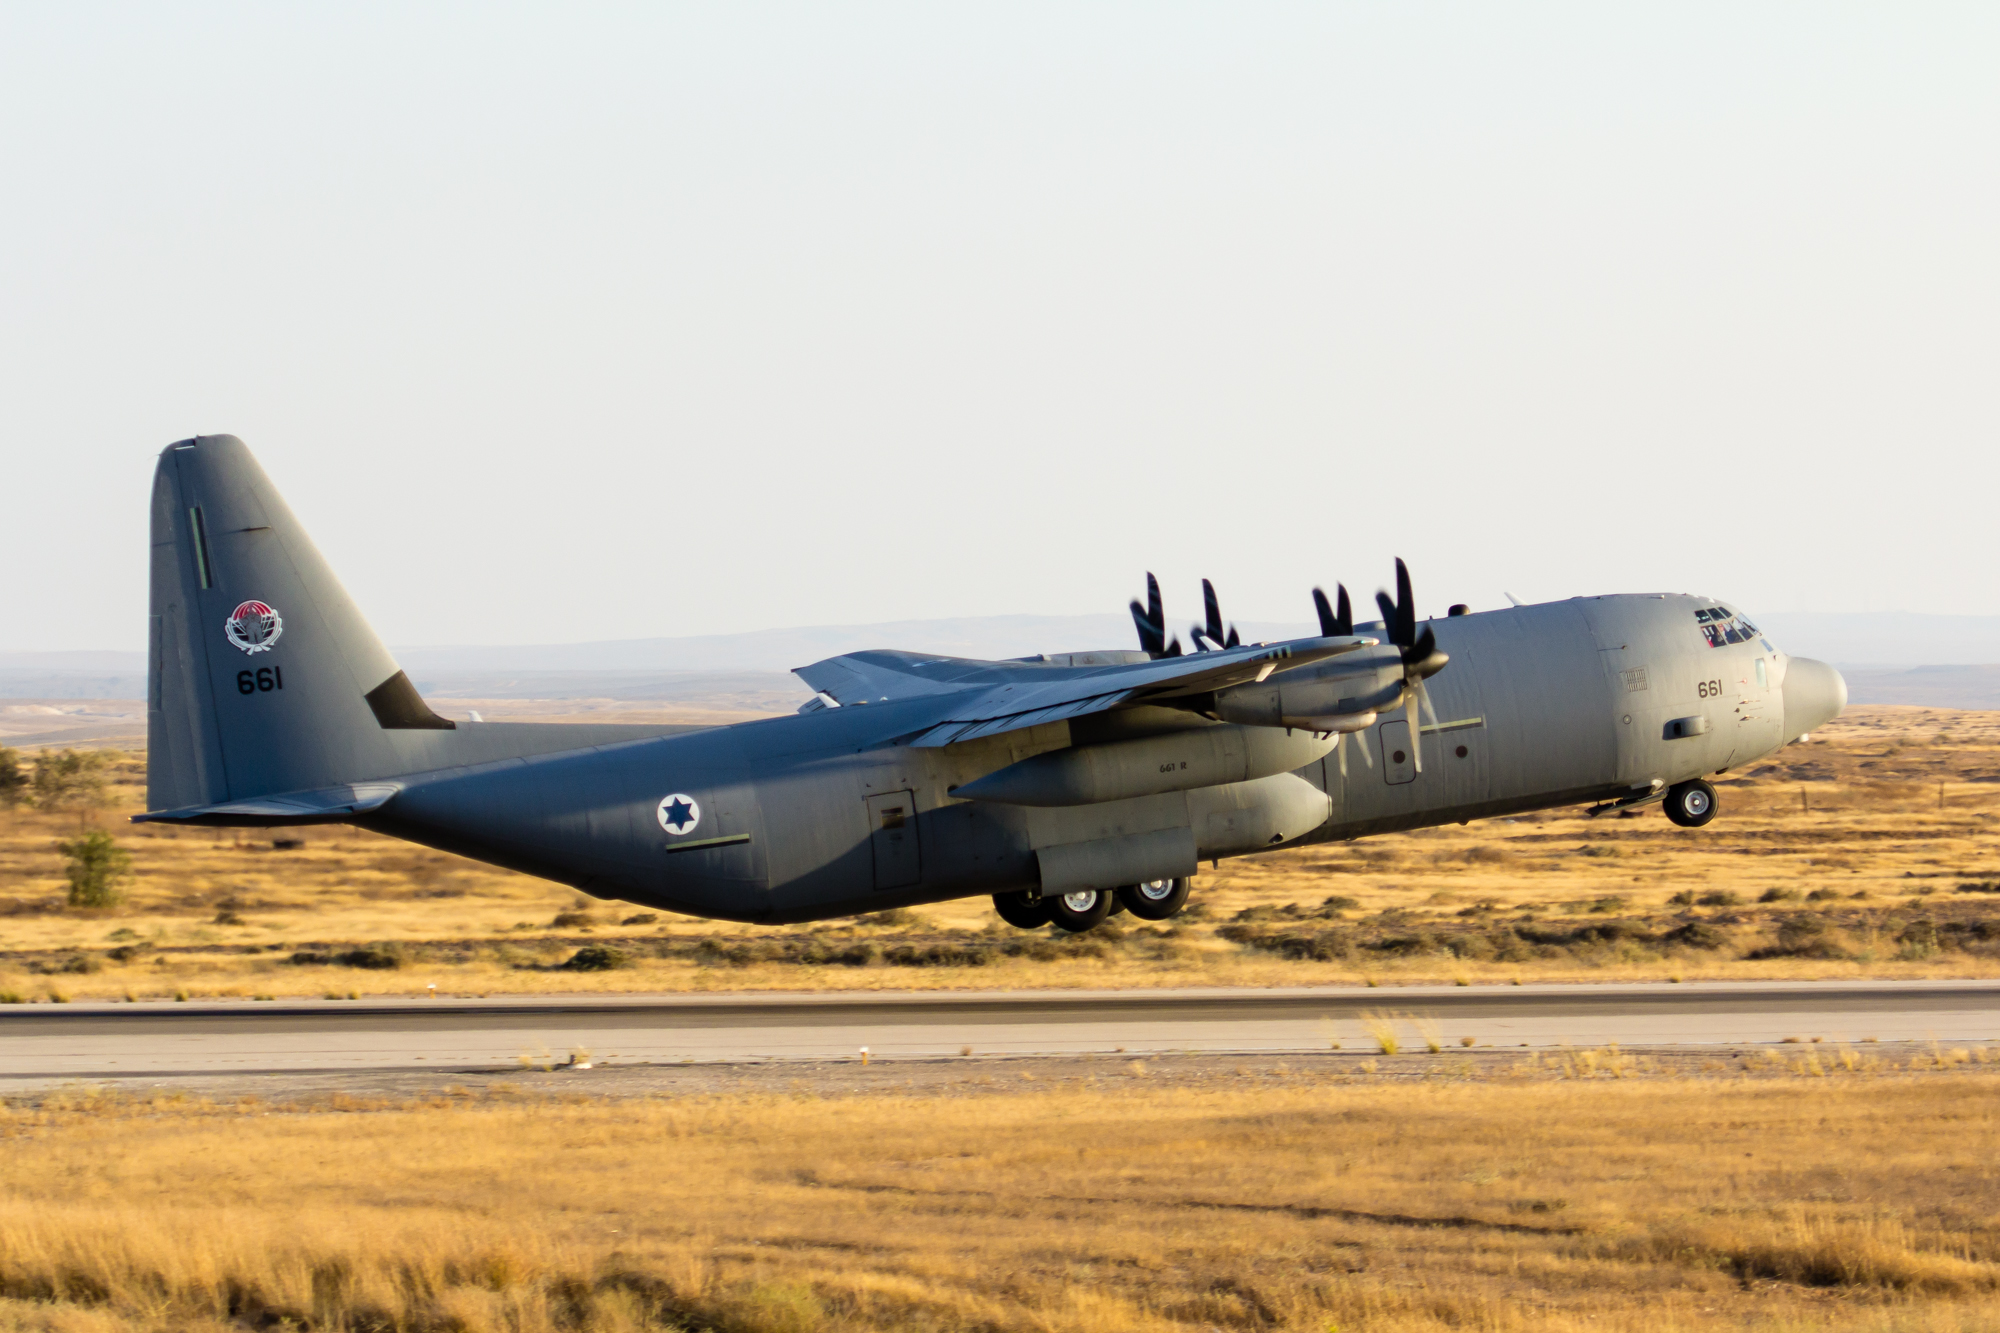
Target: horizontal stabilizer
column 328, row 805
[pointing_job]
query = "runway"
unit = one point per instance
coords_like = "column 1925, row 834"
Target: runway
column 160, row 1039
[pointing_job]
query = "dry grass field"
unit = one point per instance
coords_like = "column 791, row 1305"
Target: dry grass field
column 1868, row 852
column 1536, row 1196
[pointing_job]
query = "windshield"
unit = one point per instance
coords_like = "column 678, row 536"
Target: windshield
column 1722, row 626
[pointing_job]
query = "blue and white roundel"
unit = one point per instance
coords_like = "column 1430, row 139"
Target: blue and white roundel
column 679, row 813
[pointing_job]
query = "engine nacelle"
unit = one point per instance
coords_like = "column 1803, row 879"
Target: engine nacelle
column 1205, row 756
column 1345, row 702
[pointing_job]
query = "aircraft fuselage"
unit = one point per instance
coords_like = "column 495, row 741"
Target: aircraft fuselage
column 798, row 818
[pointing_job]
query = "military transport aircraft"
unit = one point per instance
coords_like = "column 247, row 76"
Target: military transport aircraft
column 1066, row 786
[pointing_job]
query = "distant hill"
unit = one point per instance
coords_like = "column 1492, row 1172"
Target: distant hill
column 1888, row 657
column 786, row 649
column 1885, row 638
column 1927, row 686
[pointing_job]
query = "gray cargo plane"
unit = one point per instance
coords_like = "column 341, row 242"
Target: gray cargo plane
column 1066, row 786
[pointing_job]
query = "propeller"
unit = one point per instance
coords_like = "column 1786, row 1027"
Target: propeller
column 1332, row 624
column 1421, row 658
column 1212, row 633
column 1151, row 622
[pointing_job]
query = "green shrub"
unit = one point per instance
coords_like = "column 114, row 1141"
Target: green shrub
column 1918, row 940
column 1697, row 935
column 1719, row 898
column 14, row 779
column 597, row 958
column 376, row 957
column 1778, row 896
column 96, row 867
column 70, row 780
column 1802, row 937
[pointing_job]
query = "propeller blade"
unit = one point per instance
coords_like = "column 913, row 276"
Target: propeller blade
column 1392, row 623
column 1406, row 604
column 1424, row 697
column 1426, row 644
column 1150, row 621
column 1326, row 621
column 1173, row 649
column 1416, row 731
column 1233, row 641
column 1340, row 748
column 1343, row 616
column 1211, row 611
column 1149, row 633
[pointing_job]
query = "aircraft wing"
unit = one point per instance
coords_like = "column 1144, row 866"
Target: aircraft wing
column 976, row 699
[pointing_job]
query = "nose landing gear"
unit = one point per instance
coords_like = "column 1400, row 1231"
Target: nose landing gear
column 1690, row 804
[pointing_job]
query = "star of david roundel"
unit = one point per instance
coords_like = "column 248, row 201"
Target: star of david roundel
column 679, row 813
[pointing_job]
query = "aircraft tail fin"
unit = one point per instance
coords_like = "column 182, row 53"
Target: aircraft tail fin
column 262, row 675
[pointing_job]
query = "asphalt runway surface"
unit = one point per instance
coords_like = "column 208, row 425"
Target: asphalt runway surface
column 164, row 1039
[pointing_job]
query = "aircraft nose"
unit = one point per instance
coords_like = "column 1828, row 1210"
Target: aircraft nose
column 1814, row 694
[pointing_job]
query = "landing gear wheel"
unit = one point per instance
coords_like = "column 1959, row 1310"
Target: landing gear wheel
column 1079, row 911
column 1692, row 803
column 1019, row 910
column 1156, row 899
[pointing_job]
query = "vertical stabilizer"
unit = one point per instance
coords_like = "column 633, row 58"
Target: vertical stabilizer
column 263, row 677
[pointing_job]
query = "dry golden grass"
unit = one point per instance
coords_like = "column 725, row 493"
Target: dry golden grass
column 999, row 1204
column 1880, row 818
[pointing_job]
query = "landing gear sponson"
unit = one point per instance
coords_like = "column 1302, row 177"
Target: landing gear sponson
column 1154, row 900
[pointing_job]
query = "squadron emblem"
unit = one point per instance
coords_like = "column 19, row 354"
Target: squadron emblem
column 679, row 813
column 254, row 627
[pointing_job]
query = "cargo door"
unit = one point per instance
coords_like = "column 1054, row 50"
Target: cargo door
column 1399, row 763
column 892, row 821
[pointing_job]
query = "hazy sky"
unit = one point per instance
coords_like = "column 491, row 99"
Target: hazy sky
column 582, row 322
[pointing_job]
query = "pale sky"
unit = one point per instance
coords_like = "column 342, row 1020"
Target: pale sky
column 562, row 323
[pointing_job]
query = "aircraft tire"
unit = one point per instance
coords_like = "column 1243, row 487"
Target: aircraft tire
column 1079, row 911
column 1692, row 803
column 1156, row 899
column 1020, row 911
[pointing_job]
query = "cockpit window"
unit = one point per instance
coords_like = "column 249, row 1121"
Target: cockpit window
column 1721, row 626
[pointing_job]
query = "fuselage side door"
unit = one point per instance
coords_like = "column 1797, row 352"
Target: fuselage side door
column 892, row 823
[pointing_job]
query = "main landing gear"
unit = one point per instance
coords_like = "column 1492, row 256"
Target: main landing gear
column 1690, row 804
column 1155, row 900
